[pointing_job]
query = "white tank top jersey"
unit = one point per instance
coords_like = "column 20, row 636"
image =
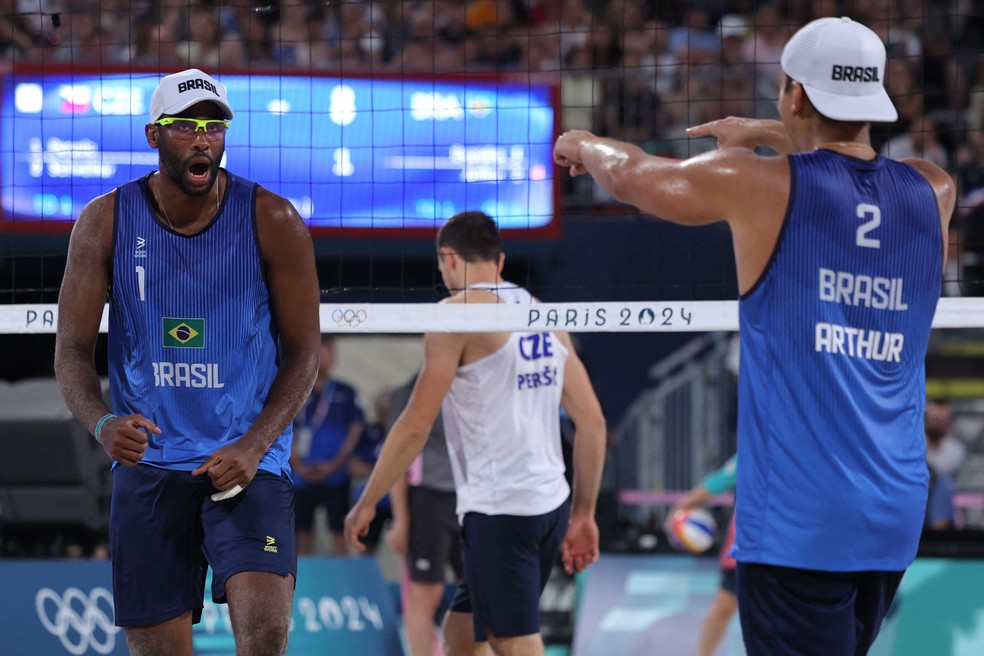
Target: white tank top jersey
column 501, row 419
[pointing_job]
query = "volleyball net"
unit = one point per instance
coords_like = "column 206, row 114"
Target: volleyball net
column 380, row 120
column 576, row 317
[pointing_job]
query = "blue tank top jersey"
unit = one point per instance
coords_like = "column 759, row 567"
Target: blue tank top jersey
column 192, row 344
column 831, row 456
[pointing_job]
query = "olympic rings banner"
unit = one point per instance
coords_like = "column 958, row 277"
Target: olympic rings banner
column 50, row 608
column 58, row 607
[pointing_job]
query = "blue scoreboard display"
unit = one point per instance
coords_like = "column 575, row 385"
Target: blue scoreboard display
column 352, row 154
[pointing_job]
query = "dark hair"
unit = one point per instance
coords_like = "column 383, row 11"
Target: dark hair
column 472, row 235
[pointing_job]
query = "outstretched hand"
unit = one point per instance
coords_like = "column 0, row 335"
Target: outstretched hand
column 740, row 132
column 124, row 439
column 580, row 546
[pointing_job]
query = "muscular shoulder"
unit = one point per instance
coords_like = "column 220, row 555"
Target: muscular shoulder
column 100, row 208
column 737, row 184
column 94, row 227
column 755, row 187
column 274, row 209
column 942, row 184
column 751, row 167
column 939, row 180
column 277, row 221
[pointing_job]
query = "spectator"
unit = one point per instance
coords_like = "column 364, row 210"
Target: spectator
column 434, row 41
column 82, row 38
column 329, row 427
column 155, row 40
column 737, row 77
column 667, row 64
column 885, row 20
column 481, row 15
column 580, row 90
column 543, row 50
column 574, row 27
column 945, row 452
column 254, row 30
column 605, row 44
column 632, row 104
column 292, row 35
column 18, row 39
column 696, row 102
column 904, row 89
column 697, row 34
column 360, row 465
column 490, row 49
column 762, row 50
column 204, row 43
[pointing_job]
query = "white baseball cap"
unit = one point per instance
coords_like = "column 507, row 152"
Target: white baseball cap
column 732, row 25
column 841, row 65
column 179, row 91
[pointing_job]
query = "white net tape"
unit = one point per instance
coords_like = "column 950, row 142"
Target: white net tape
column 386, row 318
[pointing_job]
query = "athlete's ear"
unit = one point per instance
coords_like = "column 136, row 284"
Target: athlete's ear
column 152, row 132
column 799, row 100
column 446, row 261
column 502, row 261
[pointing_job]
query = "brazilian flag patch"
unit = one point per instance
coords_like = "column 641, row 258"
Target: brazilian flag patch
column 184, row 333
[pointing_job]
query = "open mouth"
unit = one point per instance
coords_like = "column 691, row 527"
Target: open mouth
column 199, row 171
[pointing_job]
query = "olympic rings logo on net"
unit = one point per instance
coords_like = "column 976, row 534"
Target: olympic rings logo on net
column 349, row 317
column 78, row 620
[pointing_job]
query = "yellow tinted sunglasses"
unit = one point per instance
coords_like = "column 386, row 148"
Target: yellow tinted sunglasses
column 186, row 128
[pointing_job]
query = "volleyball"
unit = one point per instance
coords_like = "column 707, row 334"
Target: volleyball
column 692, row 530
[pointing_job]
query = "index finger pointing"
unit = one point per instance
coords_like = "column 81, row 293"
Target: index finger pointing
column 205, row 466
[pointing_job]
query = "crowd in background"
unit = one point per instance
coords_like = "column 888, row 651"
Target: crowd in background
column 631, row 69
column 637, row 70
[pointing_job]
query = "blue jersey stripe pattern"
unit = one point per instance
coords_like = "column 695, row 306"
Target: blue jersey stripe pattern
column 831, row 468
column 192, row 343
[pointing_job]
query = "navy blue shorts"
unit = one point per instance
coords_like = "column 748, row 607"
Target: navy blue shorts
column 335, row 499
column 507, row 564
column 165, row 530
column 799, row 612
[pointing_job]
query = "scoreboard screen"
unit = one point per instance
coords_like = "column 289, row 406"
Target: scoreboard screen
column 353, row 154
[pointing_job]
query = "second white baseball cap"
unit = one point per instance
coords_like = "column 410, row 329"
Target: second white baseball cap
column 841, row 65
